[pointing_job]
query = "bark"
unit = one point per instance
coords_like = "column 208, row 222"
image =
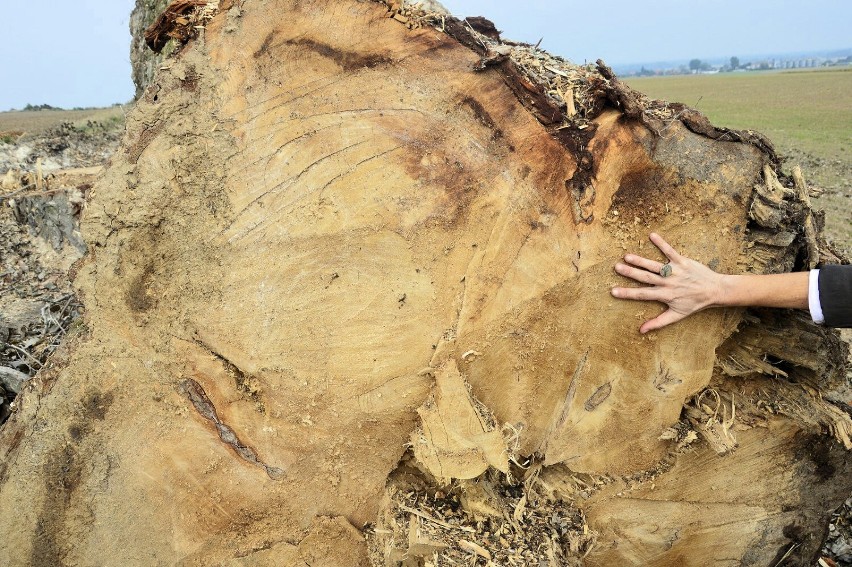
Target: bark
column 319, row 213
column 143, row 61
column 174, row 23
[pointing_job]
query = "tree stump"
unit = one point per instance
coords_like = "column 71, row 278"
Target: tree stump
column 322, row 208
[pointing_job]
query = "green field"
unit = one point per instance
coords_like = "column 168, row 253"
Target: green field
column 807, row 114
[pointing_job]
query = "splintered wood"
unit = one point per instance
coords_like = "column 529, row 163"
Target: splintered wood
column 482, row 522
column 457, row 439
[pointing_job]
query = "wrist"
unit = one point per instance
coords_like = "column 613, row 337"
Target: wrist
column 725, row 291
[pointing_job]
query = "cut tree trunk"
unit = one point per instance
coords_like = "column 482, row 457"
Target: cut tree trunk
column 336, row 231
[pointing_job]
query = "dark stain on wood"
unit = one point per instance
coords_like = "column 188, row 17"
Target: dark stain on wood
column 581, row 185
column 607, row 90
column 482, row 116
column 190, row 81
column 644, row 185
column 459, row 31
column 347, row 60
column 818, row 451
column 264, row 47
column 97, row 404
column 138, row 296
column 62, row 475
column 532, row 96
column 134, row 151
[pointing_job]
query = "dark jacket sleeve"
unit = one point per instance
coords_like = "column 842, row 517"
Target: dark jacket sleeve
column 835, row 295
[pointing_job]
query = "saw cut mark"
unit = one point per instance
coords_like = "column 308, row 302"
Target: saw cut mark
column 196, row 394
column 287, row 183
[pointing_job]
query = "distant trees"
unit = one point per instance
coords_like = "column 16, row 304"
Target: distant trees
column 40, row 107
column 735, row 62
column 696, row 65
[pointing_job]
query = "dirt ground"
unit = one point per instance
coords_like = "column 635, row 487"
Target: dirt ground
column 834, row 177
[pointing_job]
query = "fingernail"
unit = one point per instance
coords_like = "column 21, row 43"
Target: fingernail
column 615, row 291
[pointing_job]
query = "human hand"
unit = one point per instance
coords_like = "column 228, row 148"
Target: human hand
column 689, row 288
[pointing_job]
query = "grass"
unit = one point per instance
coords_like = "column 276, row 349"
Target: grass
column 807, row 114
column 37, row 121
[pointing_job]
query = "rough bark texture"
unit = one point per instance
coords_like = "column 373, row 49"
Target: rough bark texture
column 143, row 61
column 317, row 215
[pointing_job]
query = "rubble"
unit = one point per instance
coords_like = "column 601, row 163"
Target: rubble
column 67, row 145
column 40, row 206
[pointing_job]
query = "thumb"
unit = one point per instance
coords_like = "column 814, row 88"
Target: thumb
column 667, row 317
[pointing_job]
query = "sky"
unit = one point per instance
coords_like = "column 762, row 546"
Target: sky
column 76, row 53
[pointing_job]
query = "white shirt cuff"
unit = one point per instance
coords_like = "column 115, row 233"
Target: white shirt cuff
column 813, row 298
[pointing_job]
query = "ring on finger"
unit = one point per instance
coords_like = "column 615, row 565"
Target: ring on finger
column 666, row 270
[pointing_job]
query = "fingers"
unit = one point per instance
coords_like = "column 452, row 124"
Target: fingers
column 665, row 318
column 650, row 265
column 639, row 293
column 646, row 271
column 664, row 247
column 641, row 276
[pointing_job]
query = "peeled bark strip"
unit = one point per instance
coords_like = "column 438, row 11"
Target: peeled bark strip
column 316, row 211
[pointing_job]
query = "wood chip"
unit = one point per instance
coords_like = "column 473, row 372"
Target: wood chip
column 436, row 521
column 475, row 548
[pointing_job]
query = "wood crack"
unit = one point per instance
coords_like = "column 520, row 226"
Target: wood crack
column 195, row 393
